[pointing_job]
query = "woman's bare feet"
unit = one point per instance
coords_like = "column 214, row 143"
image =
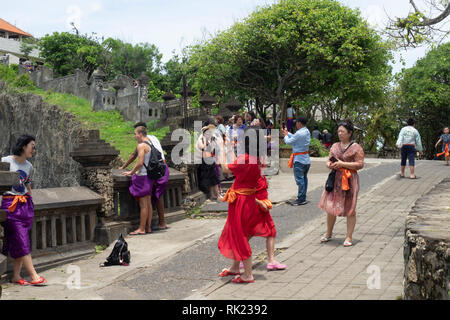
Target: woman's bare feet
column 137, row 232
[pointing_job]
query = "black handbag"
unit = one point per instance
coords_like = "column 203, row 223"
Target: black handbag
column 329, row 185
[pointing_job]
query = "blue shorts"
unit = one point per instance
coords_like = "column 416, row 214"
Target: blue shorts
column 408, row 152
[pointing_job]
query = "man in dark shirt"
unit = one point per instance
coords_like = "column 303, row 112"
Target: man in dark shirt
column 326, row 138
column 316, row 133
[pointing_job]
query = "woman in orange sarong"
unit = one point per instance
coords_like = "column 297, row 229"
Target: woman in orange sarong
column 247, row 216
column 341, row 201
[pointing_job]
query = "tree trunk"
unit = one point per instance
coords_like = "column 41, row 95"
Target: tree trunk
column 283, row 112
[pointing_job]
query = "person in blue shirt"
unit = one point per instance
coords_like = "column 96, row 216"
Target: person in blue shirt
column 300, row 161
column 445, row 139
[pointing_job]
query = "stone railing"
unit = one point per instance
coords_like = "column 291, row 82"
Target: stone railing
column 126, row 207
column 427, row 246
column 63, row 225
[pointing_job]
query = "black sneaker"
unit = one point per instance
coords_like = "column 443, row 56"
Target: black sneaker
column 298, row 202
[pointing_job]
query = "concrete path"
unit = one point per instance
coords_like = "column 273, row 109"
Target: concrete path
column 371, row 269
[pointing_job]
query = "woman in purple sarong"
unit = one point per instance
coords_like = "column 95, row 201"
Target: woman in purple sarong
column 19, row 208
column 141, row 185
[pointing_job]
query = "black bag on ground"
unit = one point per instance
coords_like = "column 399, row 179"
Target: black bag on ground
column 120, row 254
column 156, row 168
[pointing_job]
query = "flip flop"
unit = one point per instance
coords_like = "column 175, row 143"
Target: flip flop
column 226, row 272
column 240, row 280
column 21, row 282
column 275, row 266
column 38, row 282
column 347, row 243
column 134, row 233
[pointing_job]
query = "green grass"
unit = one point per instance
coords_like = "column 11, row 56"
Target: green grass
column 112, row 128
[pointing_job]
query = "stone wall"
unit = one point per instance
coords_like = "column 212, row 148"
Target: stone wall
column 56, row 133
column 427, row 246
column 120, row 94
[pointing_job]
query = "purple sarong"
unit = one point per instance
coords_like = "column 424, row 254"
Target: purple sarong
column 159, row 186
column 290, row 124
column 17, row 226
column 141, row 186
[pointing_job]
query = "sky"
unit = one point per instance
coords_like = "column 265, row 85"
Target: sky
column 169, row 24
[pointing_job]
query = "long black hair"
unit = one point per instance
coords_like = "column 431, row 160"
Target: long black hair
column 22, row 142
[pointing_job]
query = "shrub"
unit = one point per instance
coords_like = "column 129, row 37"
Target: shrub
column 316, row 149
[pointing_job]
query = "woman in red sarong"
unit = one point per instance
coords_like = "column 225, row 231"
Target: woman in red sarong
column 247, row 215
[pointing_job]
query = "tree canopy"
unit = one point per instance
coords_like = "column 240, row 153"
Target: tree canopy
column 295, row 50
column 420, row 28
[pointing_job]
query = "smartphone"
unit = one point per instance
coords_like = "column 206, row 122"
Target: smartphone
column 333, row 159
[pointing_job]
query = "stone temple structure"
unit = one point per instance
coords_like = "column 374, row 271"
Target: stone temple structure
column 130, row 97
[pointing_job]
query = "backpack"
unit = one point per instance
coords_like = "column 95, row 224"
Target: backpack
column 156, row 168
column 120, row 254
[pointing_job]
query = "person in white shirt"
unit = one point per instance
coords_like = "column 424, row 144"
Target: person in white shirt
column 160, row 185
column 408, row 141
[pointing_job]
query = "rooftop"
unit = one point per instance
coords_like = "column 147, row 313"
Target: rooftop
column 6, row 26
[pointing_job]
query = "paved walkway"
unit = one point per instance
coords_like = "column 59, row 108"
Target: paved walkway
column 331, row 271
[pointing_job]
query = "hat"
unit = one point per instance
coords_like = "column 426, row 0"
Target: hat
column 210, row 126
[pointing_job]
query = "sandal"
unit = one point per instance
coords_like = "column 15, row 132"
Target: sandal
column 39, row 281
column 135, row 233
column 241, row 265
column 347, row 243
column 325, row 239
column 275, row 266
column 240, row 280
column 226, row 273
column 21, row 282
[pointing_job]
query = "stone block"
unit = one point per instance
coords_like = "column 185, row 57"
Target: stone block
column 427, row 246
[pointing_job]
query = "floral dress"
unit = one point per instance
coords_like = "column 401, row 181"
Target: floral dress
column 339, row 202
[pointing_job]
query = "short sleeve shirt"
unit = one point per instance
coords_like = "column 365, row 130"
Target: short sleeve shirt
column 25, row 171
column 445, row 138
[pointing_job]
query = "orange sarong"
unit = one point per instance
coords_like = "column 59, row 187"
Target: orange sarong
column 291, row 159
column 16, row 200
column 445, row 152
column 231, row 193
column 346, row 174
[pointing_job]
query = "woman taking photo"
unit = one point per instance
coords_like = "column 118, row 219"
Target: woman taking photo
column 19, row 208
column 206, row 146
column 346, row 157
